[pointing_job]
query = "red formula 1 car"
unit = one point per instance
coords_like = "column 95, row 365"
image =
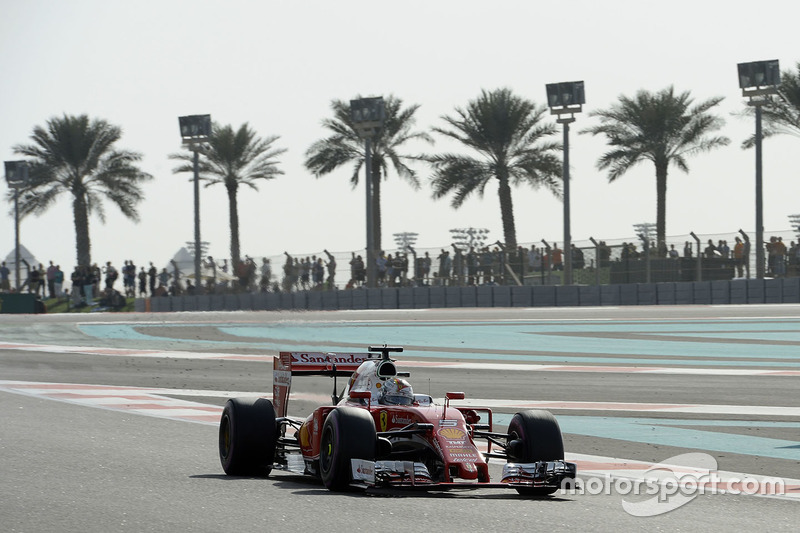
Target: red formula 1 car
column 378, row 433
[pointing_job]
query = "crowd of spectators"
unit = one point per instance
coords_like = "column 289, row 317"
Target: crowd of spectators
column 485, row 265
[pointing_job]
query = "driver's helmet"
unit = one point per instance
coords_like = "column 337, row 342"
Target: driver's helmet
column 396, row 391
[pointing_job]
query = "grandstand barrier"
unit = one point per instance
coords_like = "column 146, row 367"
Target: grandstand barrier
column 589, row 295
column 522, row 296
column 716, row 292
column 436, row 297
column 452, row 296
column 420, row 296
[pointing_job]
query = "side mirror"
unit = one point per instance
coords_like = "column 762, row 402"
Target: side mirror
column 452, row 396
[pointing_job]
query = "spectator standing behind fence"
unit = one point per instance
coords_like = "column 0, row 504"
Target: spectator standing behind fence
column 687, row 250
column 673, row 253
column 425, row 271
column 353, row 269
column 33, row 280
column 77, row 285
column 498, row 260
column 791, row 260
column 89, row 280
column 287, row 273
column 266, row 274
column 142, row 283
column 111, row 275
column 357, row 269
column 558, row 257
column 769, row 248
column 42, row 281
column 5, row 284
column 444, row 266
column 474, row 262
column 603, row 254
column 130, row 279
column 152, row 274
column 710, row 250
column 578, row 260
column 317, row 272
column 331, row 270
column 779, row 257
column 51, row 280
column 534, row 259
column 485, row 265
column 305, row 272
column 163, row 278
column 738, row 257
column 58, row 281
column 723, row 249
column 252, row 271
column 97, row 277
column 382, row 264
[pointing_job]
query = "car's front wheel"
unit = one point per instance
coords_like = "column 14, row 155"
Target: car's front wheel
column 535, row 435
column 348, row 433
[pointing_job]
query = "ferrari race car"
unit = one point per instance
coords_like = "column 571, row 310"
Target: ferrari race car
column 378, row 433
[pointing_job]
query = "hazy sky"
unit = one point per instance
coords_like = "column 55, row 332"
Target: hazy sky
column 278, row 64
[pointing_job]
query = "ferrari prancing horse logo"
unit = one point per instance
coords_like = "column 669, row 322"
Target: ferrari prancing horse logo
column 384, row 420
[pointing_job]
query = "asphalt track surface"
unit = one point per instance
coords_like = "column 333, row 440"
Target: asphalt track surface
column 109, row 420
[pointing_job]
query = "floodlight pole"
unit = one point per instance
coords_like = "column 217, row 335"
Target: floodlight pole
column 567, row 230
column 372, row 278
column 17, row 178
column 759, row 80
column 565, row 120
column 197, row 254
column 16, row 236
column 759, row 199
column 196, row 130
column 565, row 99
column 368, row 116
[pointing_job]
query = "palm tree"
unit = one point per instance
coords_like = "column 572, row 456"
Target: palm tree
column 344, row 147
column 234, row 158
column 782, row 114
column 661, row 127
column 513, row 148
column 76, row 155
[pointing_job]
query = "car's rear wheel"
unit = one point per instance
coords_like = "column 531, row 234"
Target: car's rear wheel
column 535, row 436
column 348, row 433
column 247, row 437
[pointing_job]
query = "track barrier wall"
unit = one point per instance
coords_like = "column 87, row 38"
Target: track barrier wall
column 718, row 292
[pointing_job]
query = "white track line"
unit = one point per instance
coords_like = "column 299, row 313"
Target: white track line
column 503, row 367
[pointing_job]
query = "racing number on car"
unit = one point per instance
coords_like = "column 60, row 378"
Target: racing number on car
column 384, row 420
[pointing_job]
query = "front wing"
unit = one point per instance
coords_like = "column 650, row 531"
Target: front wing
column 540, row 474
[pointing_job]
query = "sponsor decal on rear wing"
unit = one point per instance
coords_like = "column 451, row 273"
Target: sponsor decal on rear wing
column 289, row 364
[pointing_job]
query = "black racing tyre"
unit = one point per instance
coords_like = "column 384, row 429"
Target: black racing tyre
column 247, row 437
column 348, row 433
column 538, row 438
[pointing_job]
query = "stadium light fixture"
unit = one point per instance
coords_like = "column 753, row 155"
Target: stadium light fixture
column 368, row 116
column 195, row 132
column 16, row 177
column 565, row 99
column 759, row 80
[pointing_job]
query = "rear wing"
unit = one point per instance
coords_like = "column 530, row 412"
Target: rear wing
column 289, row 364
